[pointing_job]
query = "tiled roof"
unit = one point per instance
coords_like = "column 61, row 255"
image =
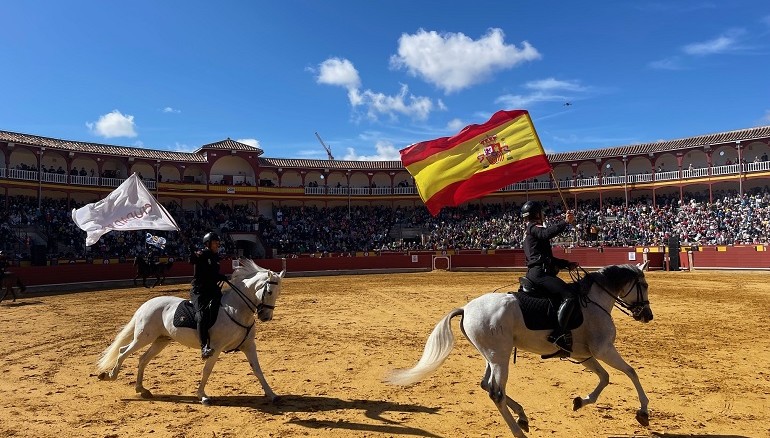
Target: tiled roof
column 230, row 145
column 331, row 164
column 96, row 148
column 760, row 132
column 665, row 146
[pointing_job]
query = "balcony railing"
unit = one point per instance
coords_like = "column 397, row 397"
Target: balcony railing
column 54, row 177
column 702, row 172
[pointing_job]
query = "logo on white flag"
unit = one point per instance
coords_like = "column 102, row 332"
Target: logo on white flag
column 128, row 207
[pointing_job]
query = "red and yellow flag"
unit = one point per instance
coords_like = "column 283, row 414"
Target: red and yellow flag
column 478, row 160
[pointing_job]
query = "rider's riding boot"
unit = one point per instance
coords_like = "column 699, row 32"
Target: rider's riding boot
column 562, row 337
column 203, row 334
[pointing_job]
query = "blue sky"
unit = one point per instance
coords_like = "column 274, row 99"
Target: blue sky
column 373, row 77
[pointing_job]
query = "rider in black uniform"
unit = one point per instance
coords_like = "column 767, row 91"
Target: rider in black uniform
column 206, row 292
column 543, row 267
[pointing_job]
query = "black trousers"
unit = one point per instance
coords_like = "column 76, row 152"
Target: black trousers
column 551, row 283
column 206, row 304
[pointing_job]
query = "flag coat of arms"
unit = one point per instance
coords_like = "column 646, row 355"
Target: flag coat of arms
column 128, row 207
column 479, row 160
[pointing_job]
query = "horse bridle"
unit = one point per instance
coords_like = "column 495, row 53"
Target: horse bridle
column 636, row 308
column 265, row 289
column 254, row 309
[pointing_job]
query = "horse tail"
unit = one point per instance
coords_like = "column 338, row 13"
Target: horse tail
column 437, row 348
column 110, row 355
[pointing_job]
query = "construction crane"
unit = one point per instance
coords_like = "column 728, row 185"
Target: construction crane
column 328, row 150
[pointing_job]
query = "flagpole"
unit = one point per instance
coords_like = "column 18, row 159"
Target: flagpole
column 556, row 182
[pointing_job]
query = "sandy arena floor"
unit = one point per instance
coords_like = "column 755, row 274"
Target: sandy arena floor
column 704, row 362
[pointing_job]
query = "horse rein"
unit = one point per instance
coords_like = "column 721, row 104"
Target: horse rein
column 249, row 304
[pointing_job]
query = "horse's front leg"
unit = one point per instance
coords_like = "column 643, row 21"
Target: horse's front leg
column 611, row 357
column 250, row 350
column 594, row 366
column 207, row 367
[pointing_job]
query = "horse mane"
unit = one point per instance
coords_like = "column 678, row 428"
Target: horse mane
column 614, row 277
column 245, row 270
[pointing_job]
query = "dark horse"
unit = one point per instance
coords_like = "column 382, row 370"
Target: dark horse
column 9, row 280
column 145, row 269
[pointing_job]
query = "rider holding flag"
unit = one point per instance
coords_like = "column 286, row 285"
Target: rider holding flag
column 206, row 292
column 543, row 267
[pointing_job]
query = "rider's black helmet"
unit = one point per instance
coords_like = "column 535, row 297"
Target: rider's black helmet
column 209, row 237
column 531, row 209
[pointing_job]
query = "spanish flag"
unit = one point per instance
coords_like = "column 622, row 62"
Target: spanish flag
column 478, row 160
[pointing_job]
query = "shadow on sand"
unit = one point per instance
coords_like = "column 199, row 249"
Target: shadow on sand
column 20, row 303
column 373, row 409
column 693, row 435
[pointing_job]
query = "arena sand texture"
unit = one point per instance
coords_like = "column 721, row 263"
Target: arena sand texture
column 703, row 362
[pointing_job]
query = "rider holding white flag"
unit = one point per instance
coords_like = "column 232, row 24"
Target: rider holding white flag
column 543, row 267
column 206, row 292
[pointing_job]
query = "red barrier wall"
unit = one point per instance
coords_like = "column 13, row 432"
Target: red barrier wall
column 356, row 263
column 730, row 257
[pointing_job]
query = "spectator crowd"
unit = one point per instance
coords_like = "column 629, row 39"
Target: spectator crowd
column 731, row 218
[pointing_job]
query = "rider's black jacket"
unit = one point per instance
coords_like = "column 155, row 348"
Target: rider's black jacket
column 537, row 247
column 206, row 273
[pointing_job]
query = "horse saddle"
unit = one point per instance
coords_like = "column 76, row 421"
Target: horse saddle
column 540, row 308
column 185, row 316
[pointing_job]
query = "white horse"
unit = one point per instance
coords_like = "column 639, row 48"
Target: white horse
column 253, row 293
column 494, row 324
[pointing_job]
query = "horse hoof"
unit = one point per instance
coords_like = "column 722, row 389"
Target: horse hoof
column 524, row 425
column 144, row 393
column 206, row 401
column 577, row 403
column 643, row 418
column 103, row 376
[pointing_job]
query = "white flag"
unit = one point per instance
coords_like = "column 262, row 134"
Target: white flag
column 129, row 207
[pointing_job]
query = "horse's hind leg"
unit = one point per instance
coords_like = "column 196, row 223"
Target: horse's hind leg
column 157, row 346
column 604, row 379
column 137, row 343
column 498, row 377
column 611, row 357
column 523, row 421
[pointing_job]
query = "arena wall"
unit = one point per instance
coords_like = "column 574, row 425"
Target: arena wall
column 102, row 274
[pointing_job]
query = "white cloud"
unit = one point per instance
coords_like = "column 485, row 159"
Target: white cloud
column 113, row 124
column 551, row 84
column 249, row 141
column 341, row 72
column 454, row 61
column 181, row 147
column 385, row 152
column 518, row 101
column 455, row 125
column 404, row 103
column 170, row 110
column 766, row 118
column 725, row 43
column 545, row 90
column 670, row 63
column 312, row 153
